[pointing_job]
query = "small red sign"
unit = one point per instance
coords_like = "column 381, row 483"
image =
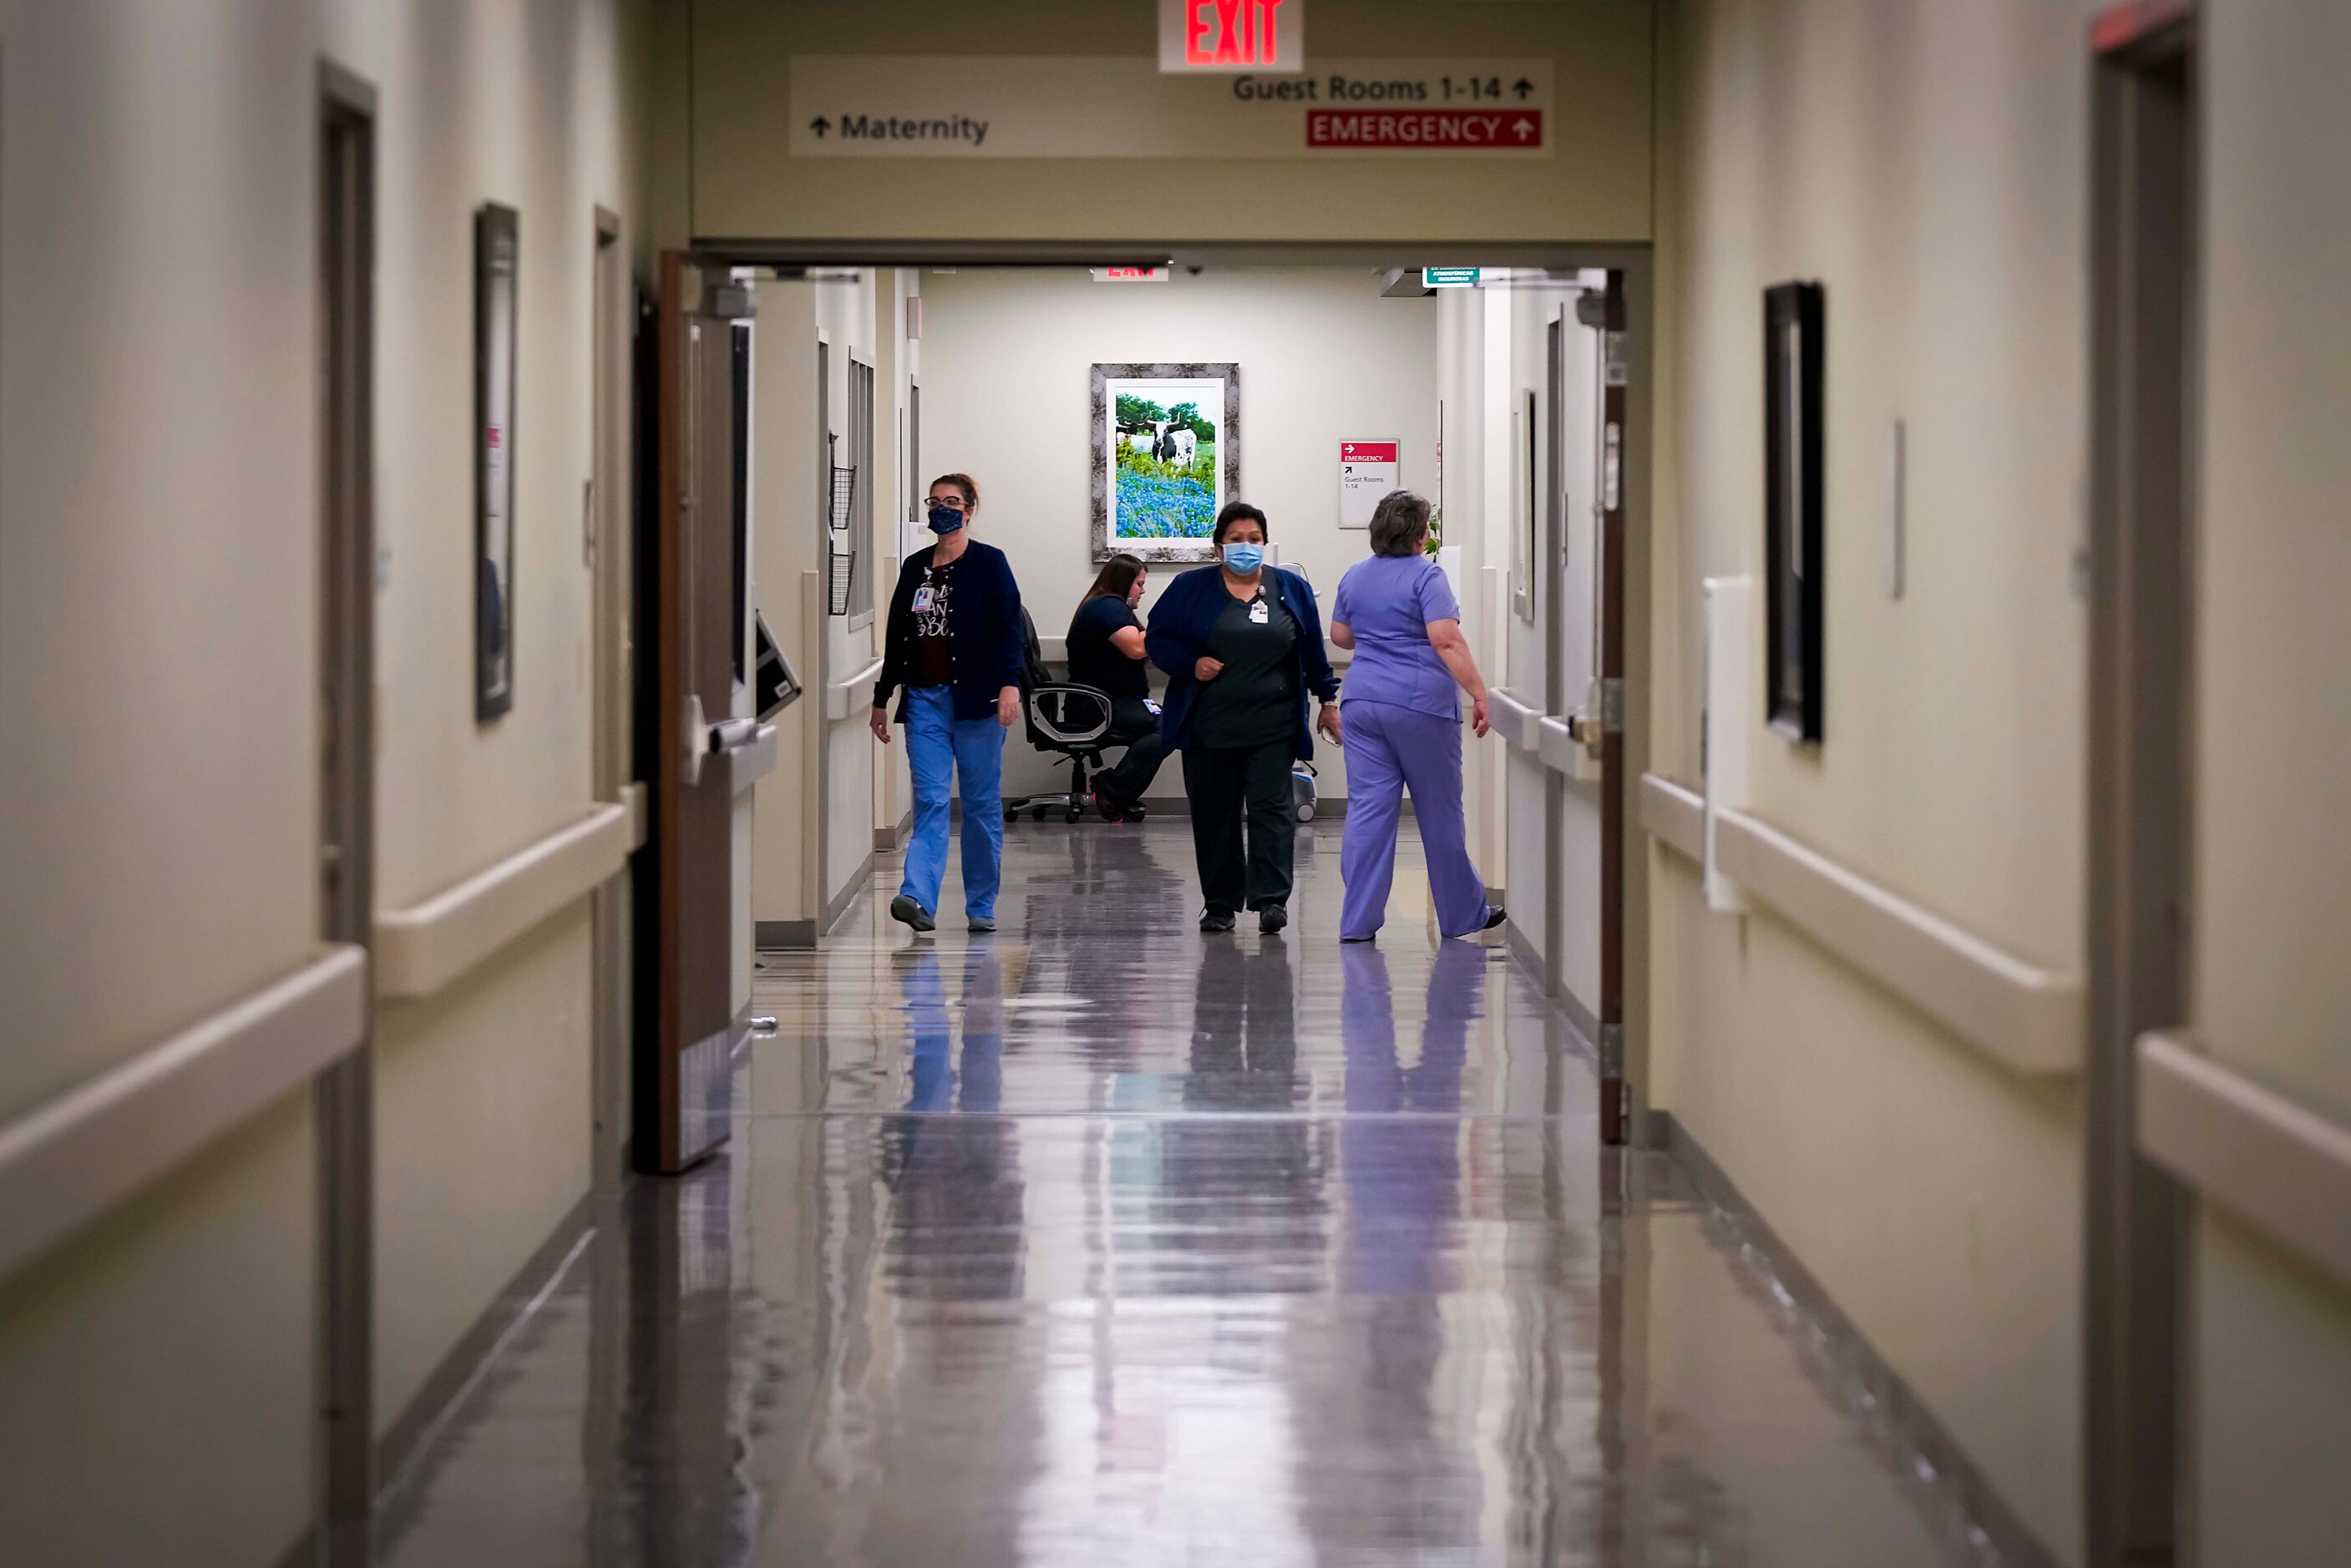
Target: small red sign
column 1509, row 129
column 1367, row 452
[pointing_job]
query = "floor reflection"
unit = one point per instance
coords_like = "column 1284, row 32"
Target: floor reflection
column 1098, row 1243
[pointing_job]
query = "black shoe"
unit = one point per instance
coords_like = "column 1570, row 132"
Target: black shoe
column 903, row 907
column 1372, row 937
column 1271, row 919
column 1214, row 921
column 1108, row 805
column 1494, row 917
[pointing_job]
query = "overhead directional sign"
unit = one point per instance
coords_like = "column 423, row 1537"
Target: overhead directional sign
column 1449, row 276
column 1012, row 106
column 1232, row 35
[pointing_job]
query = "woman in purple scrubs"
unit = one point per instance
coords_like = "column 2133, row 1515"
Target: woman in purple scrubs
column 1404, row 724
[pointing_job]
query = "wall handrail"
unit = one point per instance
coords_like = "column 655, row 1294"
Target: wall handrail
column 1509, row 717
column 2280, row 1166
column 423, row 948
column 844, row 698
column 65, row 1164
column 1673, row 815
column 2030, row 1019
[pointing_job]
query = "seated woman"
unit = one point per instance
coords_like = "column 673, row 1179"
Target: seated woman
column 1106, row 653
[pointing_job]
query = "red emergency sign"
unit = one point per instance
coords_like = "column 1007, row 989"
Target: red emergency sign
column 1367, row 452
column 1508, row 128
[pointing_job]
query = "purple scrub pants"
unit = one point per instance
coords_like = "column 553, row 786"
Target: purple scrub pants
column 1390, row 749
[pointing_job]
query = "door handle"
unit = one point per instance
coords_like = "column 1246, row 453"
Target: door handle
column 733, row 736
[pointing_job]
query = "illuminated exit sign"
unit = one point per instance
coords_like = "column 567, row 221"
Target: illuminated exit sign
column 1232, row 35
column 1130, row 274
column 1449, row 276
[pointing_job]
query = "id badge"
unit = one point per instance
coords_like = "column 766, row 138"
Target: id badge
column 1256, row 612
column 923, row 598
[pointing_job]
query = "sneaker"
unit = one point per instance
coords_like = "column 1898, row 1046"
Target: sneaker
column 983, row 924
column 903, row 907
column 1494, row 917
column 1273, row 918
column 1109, row 809
column 1368, row 936
column 1213, row 919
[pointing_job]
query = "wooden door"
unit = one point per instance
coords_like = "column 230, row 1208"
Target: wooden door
column 686, row 1097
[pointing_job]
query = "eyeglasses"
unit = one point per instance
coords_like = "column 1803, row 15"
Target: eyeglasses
column 953, row 502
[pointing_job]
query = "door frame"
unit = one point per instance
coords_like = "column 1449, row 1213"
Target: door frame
column 612, row 562
column 2140, row 813
column 343, row 1095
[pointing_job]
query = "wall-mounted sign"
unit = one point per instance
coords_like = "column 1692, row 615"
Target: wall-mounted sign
column 1071, row 106
column 1368, row 470
column 1232, row 35
column 1129, row 274
column 1449, row 276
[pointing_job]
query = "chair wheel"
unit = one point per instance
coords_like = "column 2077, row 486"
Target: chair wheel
column 1037, row 814
column 1072, row 814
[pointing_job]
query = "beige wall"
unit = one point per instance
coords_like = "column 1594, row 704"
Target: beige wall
column 1595, row 187
column 1927, row 164
column 850, row 312
column 158, row 634
column 2272, row 874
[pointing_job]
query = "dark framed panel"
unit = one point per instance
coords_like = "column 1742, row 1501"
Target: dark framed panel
column 496, row 258
column 1167, row 457
column 1795, row 677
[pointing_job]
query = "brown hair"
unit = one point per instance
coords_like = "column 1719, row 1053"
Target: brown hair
column 962, row 482
column 1117, row 578
column 1238, row 512
column 1399, row 523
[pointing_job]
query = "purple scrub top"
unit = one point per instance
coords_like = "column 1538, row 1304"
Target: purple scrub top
column 1387, row 601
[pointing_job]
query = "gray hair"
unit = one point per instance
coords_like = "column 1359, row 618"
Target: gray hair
column 1399, row 523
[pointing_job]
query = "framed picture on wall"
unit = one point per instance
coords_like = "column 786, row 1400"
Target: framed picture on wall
column 1166, row 451
column 496, row 255
column 1793, row 363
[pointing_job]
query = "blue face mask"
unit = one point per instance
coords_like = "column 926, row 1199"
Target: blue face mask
column 1244, row 558
column 946, row 519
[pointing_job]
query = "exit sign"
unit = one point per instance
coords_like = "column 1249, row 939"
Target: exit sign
column 1449, row 276
column 1232, row 35
column 1130, row 274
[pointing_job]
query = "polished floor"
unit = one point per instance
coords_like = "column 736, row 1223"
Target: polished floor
column 1099, row 1241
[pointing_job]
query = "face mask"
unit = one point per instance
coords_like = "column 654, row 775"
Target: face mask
column 946, row 519
column 1244, row 558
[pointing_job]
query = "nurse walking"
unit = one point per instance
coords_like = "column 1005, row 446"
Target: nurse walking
column 956, row 643
column 1404, row 725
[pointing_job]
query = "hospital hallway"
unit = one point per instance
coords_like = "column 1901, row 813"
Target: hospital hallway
column 1102, row 1242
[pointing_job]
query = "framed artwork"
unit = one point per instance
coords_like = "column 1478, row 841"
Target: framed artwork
column 1167, row 448
column 1793, row 363
column 496, row 255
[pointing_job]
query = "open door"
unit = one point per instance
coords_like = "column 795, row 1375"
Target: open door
column 1616, row 1099
column 703, row 732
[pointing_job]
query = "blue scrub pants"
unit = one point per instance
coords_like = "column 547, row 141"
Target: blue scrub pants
column 942, row 752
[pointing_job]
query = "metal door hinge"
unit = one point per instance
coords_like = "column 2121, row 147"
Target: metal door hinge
column 1612, row 705
column 1611, row 1050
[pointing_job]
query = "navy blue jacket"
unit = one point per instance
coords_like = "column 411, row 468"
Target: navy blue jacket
column 986, row 639
column 1177, row 639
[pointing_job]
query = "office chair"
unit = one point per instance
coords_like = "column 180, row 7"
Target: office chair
column 1069, row 719
column 1062, row 717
